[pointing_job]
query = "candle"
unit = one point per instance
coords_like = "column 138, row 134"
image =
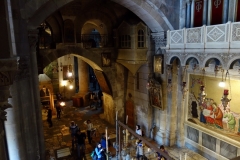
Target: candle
column 185, row 156
column 127, row 119
column 180, row 157
column 225, row 92
column 148, row 149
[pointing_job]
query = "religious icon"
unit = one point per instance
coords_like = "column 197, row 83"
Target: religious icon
column 157, row 64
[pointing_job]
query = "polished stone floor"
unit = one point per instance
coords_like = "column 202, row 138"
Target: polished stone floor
column 58, row 140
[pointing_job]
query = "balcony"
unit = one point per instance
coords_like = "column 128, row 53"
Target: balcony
column 226, row 36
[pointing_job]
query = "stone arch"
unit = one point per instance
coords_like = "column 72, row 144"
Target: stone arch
column 232, row 61
column 207, row 61
column 172, row 58
column 189, row 58
column 146, row 10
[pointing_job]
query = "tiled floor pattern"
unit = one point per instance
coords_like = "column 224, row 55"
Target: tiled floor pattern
column 58, row 137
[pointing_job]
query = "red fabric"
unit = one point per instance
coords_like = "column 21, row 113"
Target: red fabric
column 238, row 11
column 198, row 13
column 217, row 12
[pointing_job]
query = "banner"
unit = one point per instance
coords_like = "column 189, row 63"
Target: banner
column 198, row 13
column 217, row 12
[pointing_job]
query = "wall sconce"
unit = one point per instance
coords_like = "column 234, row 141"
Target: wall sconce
column 225, row 99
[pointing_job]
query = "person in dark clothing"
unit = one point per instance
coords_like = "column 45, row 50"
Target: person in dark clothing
column 100, row 98
column 160, row 157
column 59, row 110
column 80, row 140
column 49, row 117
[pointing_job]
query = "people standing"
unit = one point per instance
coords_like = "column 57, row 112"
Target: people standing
column 139, row 151
column 59, row 110
column 80, row 139
column 100, row 152
column 160, row 157
column 89, row 125
column 138, row 130
column 49, row 117
column 73, row 128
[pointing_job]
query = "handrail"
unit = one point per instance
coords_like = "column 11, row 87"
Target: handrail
column 145, row 141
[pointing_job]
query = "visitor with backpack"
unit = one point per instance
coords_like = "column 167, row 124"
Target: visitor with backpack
column 99, row 152
column 73, row 128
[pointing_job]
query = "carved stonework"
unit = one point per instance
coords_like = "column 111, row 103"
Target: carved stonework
column 23, row 68
column 224, row 58
column 160, row 40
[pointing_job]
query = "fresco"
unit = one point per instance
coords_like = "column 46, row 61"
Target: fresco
column 207, row 110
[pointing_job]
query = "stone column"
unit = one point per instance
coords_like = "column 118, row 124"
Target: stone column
column 83, row 74
column 225, row 11
column 7, row 69
column 232, row 11
column 188, row 21
column 24, row 126
column 205, row 11
column 192, row 13
column 209, row 13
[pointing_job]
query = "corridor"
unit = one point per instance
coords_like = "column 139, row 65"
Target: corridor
column 58, row 137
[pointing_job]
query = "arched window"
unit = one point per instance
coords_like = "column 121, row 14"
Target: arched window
column 125, row 41
column 140, row 39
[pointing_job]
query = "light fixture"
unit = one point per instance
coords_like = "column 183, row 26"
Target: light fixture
column 222, row 83
column 62, row 103
column 225, row 100
column 71, row 86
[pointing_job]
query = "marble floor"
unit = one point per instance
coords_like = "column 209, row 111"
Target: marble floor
column 58, row 139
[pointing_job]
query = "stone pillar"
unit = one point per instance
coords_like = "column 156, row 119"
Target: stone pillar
column 24, row 126
column 7, row 69
column 232, row 11
column 182, row 17
column 209, row 13
column 192, row 13
column 188, row 21
column 225, row 11
column 205, row 11
column 83, row 74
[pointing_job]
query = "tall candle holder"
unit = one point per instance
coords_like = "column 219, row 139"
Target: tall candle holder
column 225, row 100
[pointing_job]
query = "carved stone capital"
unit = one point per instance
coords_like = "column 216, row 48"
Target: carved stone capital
column 160, row 40
column 8, row 69
column 23, row 68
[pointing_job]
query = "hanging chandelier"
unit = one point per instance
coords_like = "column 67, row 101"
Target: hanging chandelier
column 225, row 100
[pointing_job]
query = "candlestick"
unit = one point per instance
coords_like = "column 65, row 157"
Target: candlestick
column 126, row 137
